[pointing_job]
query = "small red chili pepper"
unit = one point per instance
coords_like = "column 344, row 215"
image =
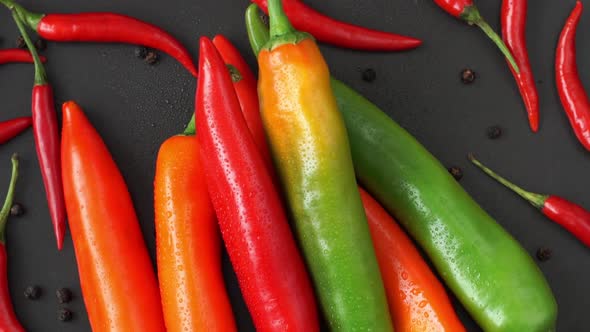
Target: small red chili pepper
column 253, row 223
column 12, row 55
column 331, row 31
column 468, row 12
column 568, row 215
column 103, row 28
column 571, row 90
column 11, row 128
column 47, row 141
column 8, row 320
column 514, row 13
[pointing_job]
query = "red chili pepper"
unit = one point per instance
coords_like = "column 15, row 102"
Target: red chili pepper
column 514, row 13
column 571, row 90
column 331, row 31
column 16, row 55
column 47, row 141
column 568, row 215
column 104, row 28
column 8, row 320
column 11, row 128
column 468, row 12
column 253, row 223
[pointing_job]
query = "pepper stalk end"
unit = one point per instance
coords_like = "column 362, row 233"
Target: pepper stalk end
column 281, row 30
column 9, row 198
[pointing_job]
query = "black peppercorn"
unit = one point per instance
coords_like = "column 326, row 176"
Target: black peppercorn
column 141, row 52
column 20, row 42
column 40, row 44
column 17, row 210
column 494, row 132
column 544, row 254
column 64, row 315
column 33, row 292
column 151, row 58
column 369, row 75
column 64, row 295
column 467, row 76
column 456, row 172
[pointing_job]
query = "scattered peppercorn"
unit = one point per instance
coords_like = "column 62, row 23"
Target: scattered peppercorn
column 544, row 254
column 369, row 75
column 20, row 42
column 17, row 210
column 141, row 52
column 64, row 315
column 467, row 76
column 456, row 172
column 494, row 132
column 40, row 44
column 33, row 292
column 64, row 295
column 152, row 58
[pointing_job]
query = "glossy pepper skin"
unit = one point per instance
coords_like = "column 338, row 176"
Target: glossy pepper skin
column 188, row 245
column 16, row 55
column 329, row 30
column 11, row 128
column 513, row 18
column 8, row 319
column 417, row 300
column 253, row 223
column 483, row 265
column 310, row 148
column 118, row 281
column 569, row 86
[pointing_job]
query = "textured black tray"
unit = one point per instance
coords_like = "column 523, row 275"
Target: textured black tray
column 135, row 107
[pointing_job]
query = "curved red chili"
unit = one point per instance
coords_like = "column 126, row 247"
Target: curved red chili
column 12, row 55
column 569, row 86
column 514, row 13
column 11, row 128
column 253, row 222
column 568, row 215
column 331, row 31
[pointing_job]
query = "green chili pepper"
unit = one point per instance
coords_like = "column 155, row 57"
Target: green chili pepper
column 490, row 273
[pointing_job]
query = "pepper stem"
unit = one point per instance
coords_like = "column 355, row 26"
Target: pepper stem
column 472, row 16
column 279, row 22
column 9, row 199
column 257, row 31
column 537, row 200
column 190, row 127
column 40, row 74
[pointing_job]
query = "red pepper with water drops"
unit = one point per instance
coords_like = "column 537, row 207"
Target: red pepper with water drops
column 569, row 86
column 16, row 55
column 47, row 140
column 568, row 215
column 11, row 128
column 8, row 320
column 467, row 11
column 271, row 273
column 338, row 33
column 513, row 18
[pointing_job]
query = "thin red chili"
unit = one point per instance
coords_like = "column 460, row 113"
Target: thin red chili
column 571, row 90
column 12, row 55
column 47, row 140
column 11, row 128
column 8, row 320
column 570, row 216
column 104, row 28
column 514, row 14
column 331, row 31
column 468, row 12
column 253, row 222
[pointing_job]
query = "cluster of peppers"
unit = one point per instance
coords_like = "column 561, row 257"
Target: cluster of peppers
column 260, row 158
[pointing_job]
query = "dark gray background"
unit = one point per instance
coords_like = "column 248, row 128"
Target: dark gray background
column 136, row 107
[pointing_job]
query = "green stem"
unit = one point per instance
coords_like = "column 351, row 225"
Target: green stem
column 9, row 199
column 279, row 22
column 190, row 127
column 40, row 75
column 257, row 30
column 537, row 200
column 472, row 16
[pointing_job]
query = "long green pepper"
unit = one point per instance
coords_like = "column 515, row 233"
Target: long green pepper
column 490, row 273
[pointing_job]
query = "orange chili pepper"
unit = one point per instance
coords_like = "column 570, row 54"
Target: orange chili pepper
column 188, row 242
column 117, row 278
column 417, row 300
